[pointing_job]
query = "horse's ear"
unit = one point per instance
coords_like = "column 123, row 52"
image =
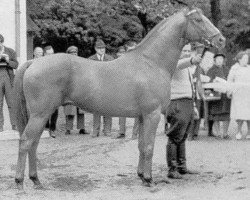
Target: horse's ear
column 186, row 3
column 179, row 2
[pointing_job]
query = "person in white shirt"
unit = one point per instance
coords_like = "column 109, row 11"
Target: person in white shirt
column 180, row 114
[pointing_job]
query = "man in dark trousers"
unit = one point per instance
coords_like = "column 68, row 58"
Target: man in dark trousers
column 8, row 62
column 101, row 55
column 180, row 114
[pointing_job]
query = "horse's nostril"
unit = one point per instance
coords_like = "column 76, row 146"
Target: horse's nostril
column 221, row 40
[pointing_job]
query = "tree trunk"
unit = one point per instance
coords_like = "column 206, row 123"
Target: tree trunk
column 215, row 11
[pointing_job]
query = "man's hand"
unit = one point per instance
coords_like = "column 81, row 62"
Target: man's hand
column 195, row 60
column 6, row 57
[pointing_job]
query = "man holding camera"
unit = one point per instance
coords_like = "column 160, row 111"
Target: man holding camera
column 8, row 62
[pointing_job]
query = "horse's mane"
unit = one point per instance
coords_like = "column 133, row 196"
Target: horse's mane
column 157, row 28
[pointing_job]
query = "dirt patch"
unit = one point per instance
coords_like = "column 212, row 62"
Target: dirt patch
column 74, row 183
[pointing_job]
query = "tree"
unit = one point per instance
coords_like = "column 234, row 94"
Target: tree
column 215, row 11
column 81, row 22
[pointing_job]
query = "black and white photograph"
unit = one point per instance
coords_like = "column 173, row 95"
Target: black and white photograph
column 125, row 99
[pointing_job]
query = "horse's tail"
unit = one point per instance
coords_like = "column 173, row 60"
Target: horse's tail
column 19, row 104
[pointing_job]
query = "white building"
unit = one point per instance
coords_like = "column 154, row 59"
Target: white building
column 17, row 28
column 17, row 34
column 13, row 26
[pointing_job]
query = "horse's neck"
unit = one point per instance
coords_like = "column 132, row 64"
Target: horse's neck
column 163, row 47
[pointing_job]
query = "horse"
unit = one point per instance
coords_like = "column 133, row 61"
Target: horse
column 136, row 84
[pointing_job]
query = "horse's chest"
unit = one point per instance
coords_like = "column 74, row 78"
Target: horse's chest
column 153, row 92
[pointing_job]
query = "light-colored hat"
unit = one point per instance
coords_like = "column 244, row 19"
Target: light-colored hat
column 72, row 49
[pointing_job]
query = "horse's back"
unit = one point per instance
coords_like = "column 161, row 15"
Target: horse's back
column 122, row 87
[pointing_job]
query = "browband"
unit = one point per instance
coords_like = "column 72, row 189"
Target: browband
column 191, row 12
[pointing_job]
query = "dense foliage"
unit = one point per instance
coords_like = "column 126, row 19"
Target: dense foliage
column 81, row 22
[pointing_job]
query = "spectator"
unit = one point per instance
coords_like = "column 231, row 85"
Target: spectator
column 38, row 52
column 218, row 110
column 101, row 55
column 70, row 110
column 240, row 104
column 51, row 124
column 121, row 51
column 180, row 114
column 122, row 120
column 130, row 45
column 8, row 62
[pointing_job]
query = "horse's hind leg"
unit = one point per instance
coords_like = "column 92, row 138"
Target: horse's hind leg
column 147, row 139
column 33, row 164
column 27, row 144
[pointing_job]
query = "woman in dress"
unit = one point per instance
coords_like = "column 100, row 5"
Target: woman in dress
column 239, row 75
column 218, row 110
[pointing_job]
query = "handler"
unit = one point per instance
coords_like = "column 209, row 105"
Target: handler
column 180, row 114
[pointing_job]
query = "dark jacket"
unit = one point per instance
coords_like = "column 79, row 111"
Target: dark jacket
column 106, row 57
column 218, row 110
column 13, row 63
column 215, row 71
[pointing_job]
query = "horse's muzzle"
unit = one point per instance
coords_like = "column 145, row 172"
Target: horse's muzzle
column 219, row 41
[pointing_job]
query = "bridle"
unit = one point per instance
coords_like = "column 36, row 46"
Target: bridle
column 205, row 39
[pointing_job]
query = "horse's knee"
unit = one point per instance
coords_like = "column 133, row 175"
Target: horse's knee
column 25, row 146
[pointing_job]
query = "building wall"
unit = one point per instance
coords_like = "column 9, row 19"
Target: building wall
column 8, row 24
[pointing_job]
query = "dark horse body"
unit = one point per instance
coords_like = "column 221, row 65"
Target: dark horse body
column 134, row 85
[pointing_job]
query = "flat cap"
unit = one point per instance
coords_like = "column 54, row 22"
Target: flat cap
column 100, row 44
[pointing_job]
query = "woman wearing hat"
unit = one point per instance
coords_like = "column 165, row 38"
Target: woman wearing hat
column 70, row 111
column 239, row 75
column 218, row 110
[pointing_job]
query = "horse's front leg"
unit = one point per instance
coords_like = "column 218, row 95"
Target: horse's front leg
column 140, row 168
column 146, row 145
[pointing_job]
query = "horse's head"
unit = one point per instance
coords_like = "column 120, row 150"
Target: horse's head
column 200, row 28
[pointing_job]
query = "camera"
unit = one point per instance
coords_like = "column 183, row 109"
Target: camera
column 2, row 59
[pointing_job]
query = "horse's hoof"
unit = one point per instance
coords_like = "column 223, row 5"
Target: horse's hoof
column 19, row 184
column 148, row 182
column 141, row 176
